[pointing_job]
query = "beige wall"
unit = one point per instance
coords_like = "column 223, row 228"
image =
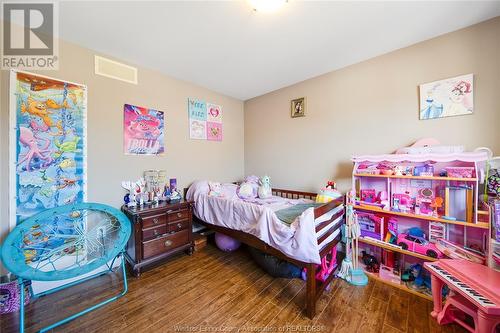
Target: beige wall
column 372, row 107
column 185, row 159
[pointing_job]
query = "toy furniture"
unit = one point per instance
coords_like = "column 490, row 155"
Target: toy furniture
column 159, row 231
column 477, row 293
column 436, row 192
column 67, row 242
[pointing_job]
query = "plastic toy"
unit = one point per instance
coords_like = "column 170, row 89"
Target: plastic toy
column 349, row 269
column 370, row 225
column 370, row 262
column 419, row 245
column 455, row 251
column 226, row 243
column 420, row 279
column 382, row 198
column 368, row 196
column 423, row 170
column 402, row 202
column 389, row 274
column 437, row 230
column 392, row 231
column 424, row 201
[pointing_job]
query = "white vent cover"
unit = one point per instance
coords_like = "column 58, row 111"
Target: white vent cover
column 115, row 70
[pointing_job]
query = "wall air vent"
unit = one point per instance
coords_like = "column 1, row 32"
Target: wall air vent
column 115, row 70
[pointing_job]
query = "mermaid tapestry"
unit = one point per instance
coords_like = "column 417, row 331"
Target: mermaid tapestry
column 143, row 131
column 48, row 145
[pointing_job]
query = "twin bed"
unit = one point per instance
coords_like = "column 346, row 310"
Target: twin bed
column 287, row 225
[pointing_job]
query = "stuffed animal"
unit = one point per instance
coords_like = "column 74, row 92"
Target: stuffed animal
column 265, row 188
column 328, row 193
column 215, row 189
column 248, row 188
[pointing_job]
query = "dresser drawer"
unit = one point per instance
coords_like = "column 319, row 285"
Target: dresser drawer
column 151, row 233
column 163, row 244
column 178, row 215
column 179, row 225
column 153, row 221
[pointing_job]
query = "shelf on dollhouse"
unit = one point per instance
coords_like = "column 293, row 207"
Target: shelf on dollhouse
column 482, row 225
column 388, row 247
column 418, row 177
column 400, row 286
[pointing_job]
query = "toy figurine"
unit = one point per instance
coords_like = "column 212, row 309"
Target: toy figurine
column 371, row 262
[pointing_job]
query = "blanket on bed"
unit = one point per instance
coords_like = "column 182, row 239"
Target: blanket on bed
column 290, row 214
column 297, row 240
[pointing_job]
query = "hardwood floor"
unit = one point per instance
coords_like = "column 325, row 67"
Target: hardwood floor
column 213, row 291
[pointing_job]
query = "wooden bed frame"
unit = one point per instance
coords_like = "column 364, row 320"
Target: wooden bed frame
column 314, row 288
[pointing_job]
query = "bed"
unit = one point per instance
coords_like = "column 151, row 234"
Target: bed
column 311, row 236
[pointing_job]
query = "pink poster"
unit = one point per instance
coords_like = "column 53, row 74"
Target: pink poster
column 214, row 131
column 143, row 131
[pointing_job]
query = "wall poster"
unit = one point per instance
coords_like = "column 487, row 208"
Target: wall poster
column 48, row 145
column 205, row 120
column 143, row 131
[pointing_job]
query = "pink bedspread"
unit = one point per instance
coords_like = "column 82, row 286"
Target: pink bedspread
column 257, row 217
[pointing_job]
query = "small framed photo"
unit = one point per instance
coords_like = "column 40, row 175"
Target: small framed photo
column 298, row 107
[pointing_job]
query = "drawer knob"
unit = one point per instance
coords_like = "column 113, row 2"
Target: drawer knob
column 155, row 221
column 155, row 232
column 168, row 243
column 179, row 214
column 179, row 225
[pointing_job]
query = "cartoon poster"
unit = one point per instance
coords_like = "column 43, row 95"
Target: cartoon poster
column 143, row 131
column 48, row 147
column 446, row 98
column 205, row 120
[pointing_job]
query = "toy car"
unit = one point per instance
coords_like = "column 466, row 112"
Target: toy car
column 418, row 245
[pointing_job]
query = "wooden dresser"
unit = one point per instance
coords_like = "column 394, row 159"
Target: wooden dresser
column 158, row 232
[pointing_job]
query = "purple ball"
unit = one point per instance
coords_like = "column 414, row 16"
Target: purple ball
column 226, row 243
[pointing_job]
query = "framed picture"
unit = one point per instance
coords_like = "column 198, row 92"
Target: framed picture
column 298, row 107
column 447, row 98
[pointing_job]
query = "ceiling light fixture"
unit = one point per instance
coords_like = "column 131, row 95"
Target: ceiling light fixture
column 266, row 6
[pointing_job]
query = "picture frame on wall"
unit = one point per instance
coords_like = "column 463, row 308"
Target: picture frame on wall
column 298, row 107
column 447, row 98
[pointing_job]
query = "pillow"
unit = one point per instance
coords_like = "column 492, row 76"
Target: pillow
column 248, row 188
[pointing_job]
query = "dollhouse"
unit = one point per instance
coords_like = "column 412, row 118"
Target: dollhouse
column 419, row 207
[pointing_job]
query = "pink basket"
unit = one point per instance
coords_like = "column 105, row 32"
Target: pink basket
column 459, row 172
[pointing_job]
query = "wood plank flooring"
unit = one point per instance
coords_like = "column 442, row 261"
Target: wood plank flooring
column 212, row 291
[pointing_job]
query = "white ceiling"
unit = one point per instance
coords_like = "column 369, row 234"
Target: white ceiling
column 228, row 48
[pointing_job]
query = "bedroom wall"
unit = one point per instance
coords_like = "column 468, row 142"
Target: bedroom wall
column 185, row 159
column 372, row 107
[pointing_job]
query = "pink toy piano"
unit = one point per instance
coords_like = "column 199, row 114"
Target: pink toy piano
column 475, row 290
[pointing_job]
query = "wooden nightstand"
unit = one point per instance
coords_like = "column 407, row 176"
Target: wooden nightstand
column 158, row 232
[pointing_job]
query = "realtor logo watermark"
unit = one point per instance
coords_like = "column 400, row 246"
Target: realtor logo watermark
column 30, row 35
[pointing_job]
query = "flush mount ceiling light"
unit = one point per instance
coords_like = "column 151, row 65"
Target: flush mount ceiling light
column 266, row 6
